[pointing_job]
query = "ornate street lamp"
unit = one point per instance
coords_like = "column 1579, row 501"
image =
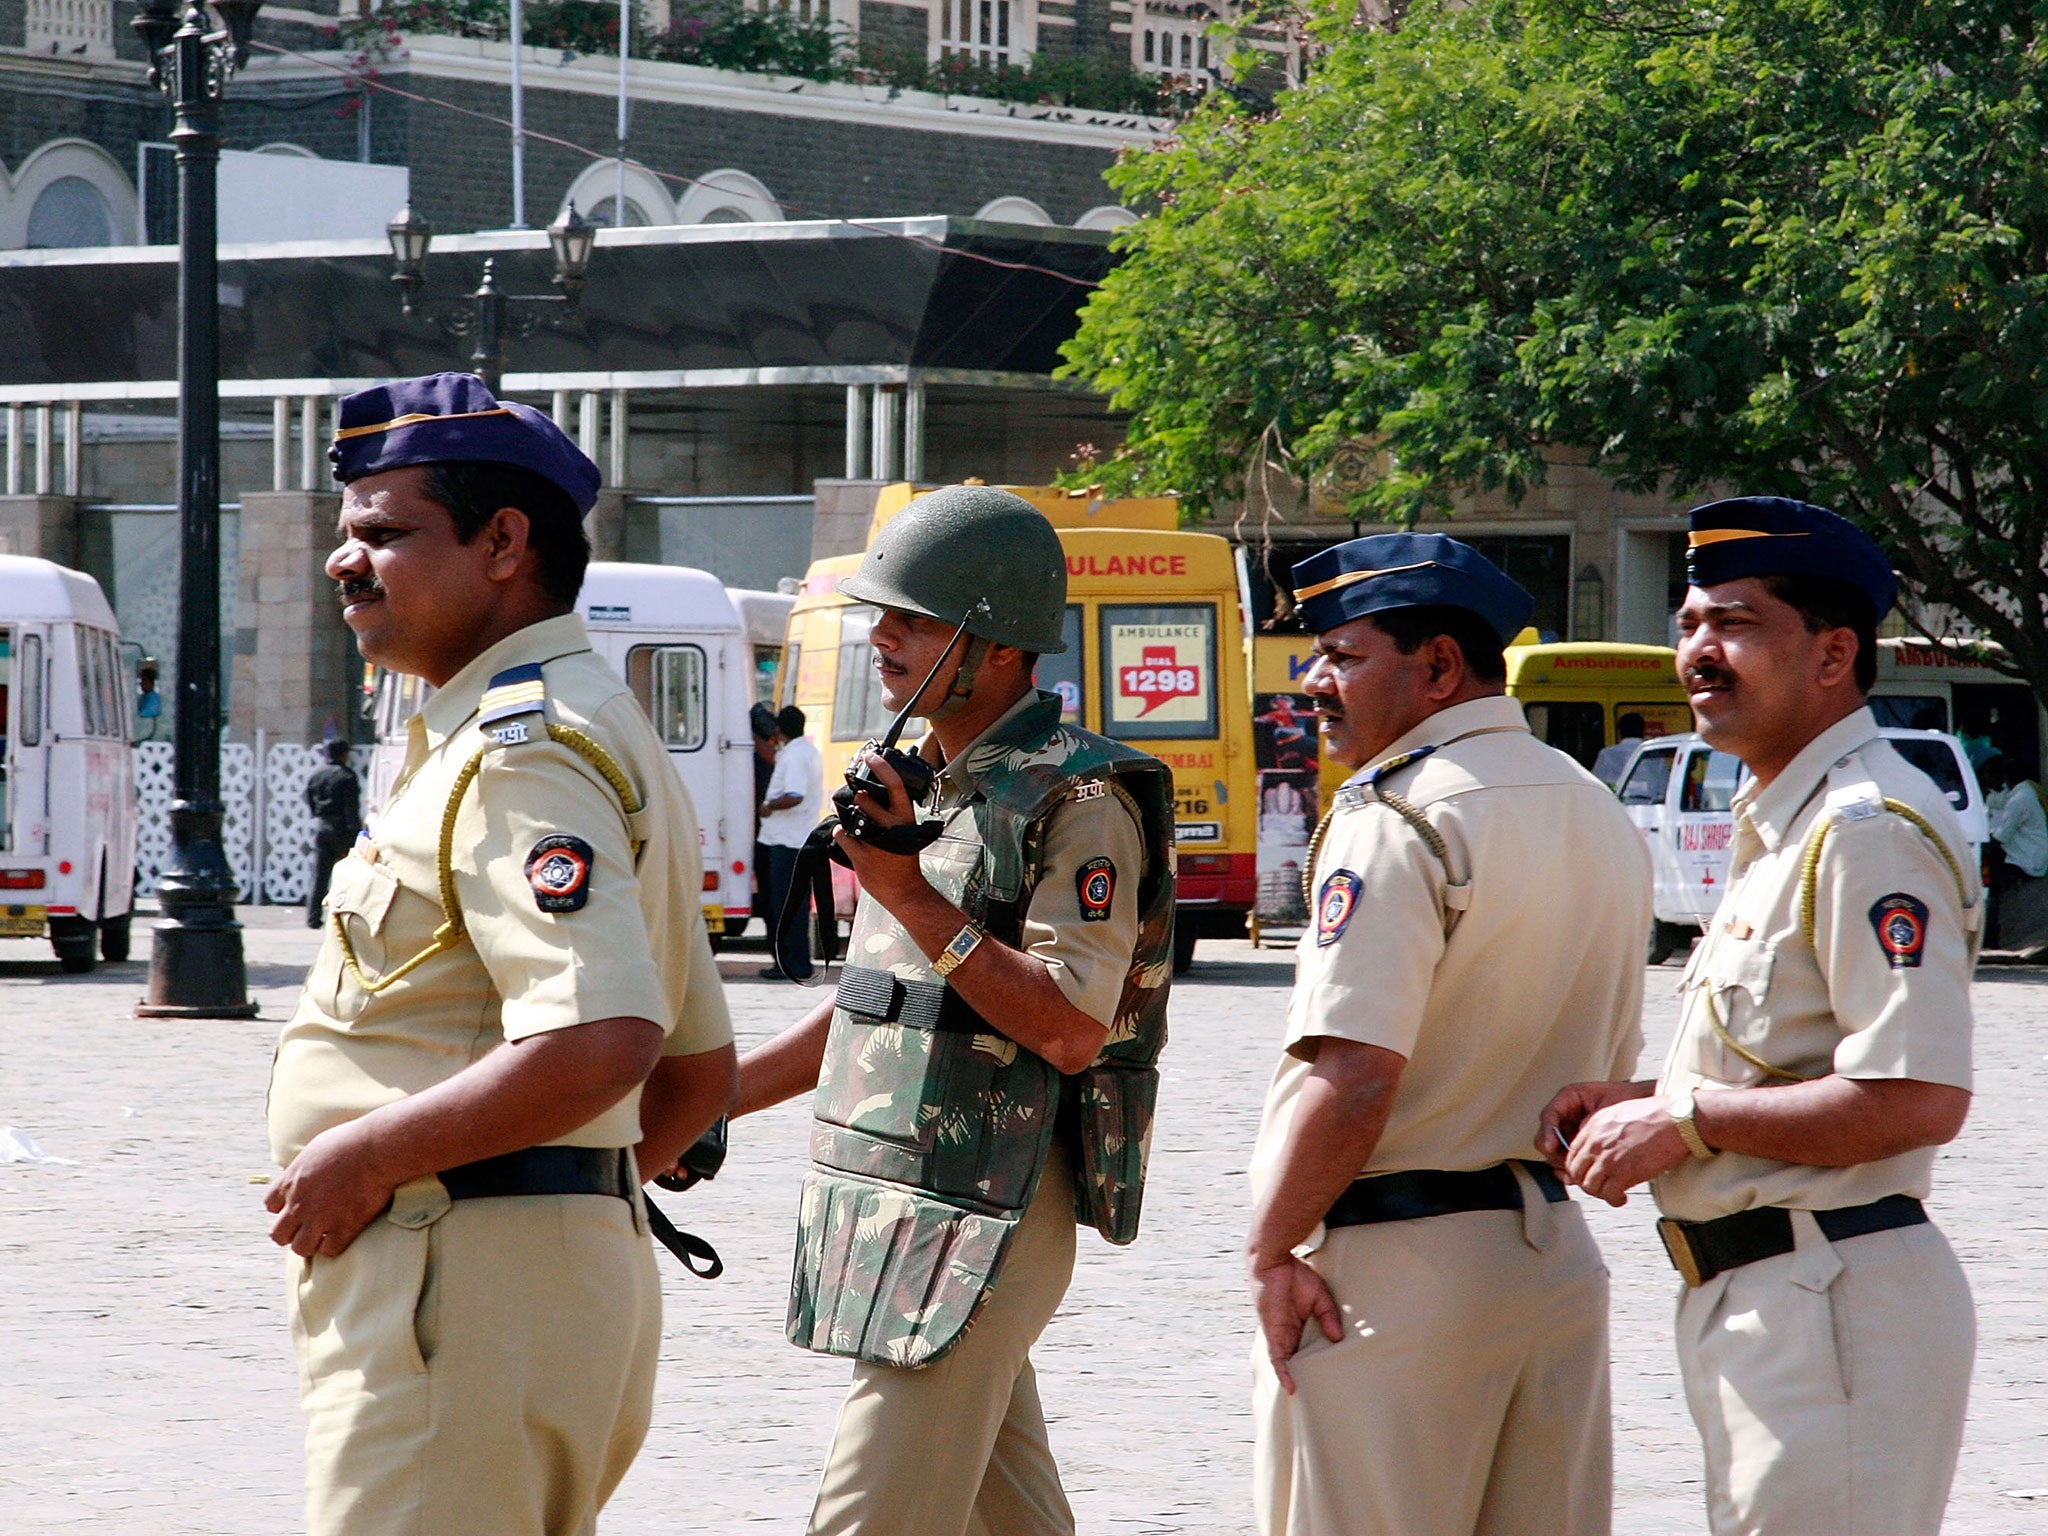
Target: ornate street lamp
column 484, row 313
column 195, row 965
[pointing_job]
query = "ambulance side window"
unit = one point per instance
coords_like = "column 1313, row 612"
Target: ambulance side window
column 31, row 690
column 858, row 713
column 668, row 680
column 1062, row 674
column 1710, row 780
column 1647, row 781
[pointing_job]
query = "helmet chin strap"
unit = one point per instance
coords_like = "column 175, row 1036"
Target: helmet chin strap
column 962, row 688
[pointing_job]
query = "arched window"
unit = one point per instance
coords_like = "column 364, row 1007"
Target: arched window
column 1013, row 210
column 605, row 211
column 727, row 196
column 596, row 194
column 70, row 211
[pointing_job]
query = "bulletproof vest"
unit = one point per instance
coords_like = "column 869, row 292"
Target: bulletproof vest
column 932, row 1126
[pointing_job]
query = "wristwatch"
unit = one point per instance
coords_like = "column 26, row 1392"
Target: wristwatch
column 961, row 947
column 1681, row 1106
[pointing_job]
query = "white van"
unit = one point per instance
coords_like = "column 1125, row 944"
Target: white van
column 1678, row 791
column 67, row 766
column 676, row 638
column 766, row 616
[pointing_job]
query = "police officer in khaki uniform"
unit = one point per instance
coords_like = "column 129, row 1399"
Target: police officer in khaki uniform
column 1825, row 1330
column 1432, row 1352
column 984, row 1073
column 514, row 1018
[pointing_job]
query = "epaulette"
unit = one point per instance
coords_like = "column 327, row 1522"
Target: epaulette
column 1352, row 791
column 509, row 698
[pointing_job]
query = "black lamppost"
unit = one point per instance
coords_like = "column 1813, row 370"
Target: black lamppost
column 195, row 965
column 484, row 313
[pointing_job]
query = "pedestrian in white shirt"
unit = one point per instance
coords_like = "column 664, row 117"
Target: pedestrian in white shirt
column 792, row 806
column 2019, row 825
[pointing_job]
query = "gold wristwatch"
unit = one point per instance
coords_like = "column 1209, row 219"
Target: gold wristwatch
column 962, row 946
column 1681, row 1107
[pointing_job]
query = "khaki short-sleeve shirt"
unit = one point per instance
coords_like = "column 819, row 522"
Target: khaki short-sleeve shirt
column 1085, row 941
column 1882, row 992
column 565, row 925
column 1539, row 982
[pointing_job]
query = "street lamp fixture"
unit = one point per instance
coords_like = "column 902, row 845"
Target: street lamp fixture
column 196, row 969
column 487, row 313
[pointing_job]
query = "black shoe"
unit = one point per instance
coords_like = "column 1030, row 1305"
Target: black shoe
column 773, row 973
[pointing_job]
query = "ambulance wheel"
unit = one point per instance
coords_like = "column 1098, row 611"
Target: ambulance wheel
column 1666, row 940
column 1185, row 932
column 114, row 938
column 76, row 941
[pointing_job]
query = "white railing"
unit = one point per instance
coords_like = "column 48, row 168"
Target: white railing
column 263, row 787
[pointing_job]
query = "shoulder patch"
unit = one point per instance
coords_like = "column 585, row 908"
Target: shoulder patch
column 558, row 869
column 1901, row 924
column 1335, row 905
column 513, row 692
column 1095, row 884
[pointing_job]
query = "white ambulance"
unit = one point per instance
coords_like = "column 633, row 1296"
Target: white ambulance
column 1679, row 792
column 67, row 765
column 676, row 637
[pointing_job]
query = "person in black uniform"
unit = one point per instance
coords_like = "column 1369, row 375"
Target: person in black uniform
column 335, row 796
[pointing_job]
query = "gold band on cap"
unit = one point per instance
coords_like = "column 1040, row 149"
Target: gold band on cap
column 1703, row 536
column 1352, row 578
column 346, row 433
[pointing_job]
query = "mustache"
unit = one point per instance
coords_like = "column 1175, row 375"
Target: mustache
column 357, row 587
column 1707, row 675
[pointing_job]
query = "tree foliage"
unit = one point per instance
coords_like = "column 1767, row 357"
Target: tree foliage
column 1796, row 246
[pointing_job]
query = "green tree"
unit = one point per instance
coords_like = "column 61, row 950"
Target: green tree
column 1798, row 246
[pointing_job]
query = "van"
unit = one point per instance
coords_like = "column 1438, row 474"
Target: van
column 1153, row 659
column 765, row 616
column 674, row 635
column 1679, row 792
column 67, row 766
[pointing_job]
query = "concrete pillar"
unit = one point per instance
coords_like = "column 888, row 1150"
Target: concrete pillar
column 44, row 526
column 281, row 443
column 913, row 432
column 44, row 432
column 856, row 432
column 310, row 478
column 839, row 526
column 559, row 409
column 293, row 659
column 74, row 448
column 14, row 450
column 885, row 458
column 606, row 523
column 616, row 474
column 586, row 424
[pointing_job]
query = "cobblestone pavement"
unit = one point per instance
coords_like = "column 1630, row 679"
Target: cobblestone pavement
column 146, row 1383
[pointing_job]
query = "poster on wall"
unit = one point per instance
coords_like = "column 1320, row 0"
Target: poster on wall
column 1285, row 741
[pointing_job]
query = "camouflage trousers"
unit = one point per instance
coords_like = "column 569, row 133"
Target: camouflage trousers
column 958, row 1447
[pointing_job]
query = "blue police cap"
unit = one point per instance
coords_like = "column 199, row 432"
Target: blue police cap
column 1774, row 536
column 1407, row 570
column 449, row 418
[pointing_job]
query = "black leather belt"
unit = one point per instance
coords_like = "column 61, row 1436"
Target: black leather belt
column 882, row 997
column 1414, row 1193
column 1700, row 1250
column 545, row 1171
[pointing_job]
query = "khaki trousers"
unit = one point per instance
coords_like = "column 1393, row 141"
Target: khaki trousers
column 1829, row 1384
column 1469, row 1396
column 958, row 1447
column 485, row 1367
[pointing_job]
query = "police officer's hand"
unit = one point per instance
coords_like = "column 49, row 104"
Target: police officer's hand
column 901, row 811
column 1558, row 1125
column 1286, row 1295
column 888, row 876
column 331, row 1191
column 1623, row 1145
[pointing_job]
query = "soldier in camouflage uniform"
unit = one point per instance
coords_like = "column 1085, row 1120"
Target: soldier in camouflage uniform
column 985, row 1074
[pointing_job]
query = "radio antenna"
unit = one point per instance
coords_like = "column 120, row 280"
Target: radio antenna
column 903, row 715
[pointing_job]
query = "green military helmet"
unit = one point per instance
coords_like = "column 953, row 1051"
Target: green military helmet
column 965, row 545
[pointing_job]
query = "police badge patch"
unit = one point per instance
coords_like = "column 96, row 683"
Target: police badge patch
column 1095, row 882
column 1901, row 924
column 1339, row 899
column 558, row 869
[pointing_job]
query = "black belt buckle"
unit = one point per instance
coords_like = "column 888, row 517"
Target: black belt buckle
column 1678, row 1246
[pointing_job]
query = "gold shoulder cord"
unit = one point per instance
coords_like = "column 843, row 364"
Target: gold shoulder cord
column 1402, row 808
column 452, row 928
column 1809, row 881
